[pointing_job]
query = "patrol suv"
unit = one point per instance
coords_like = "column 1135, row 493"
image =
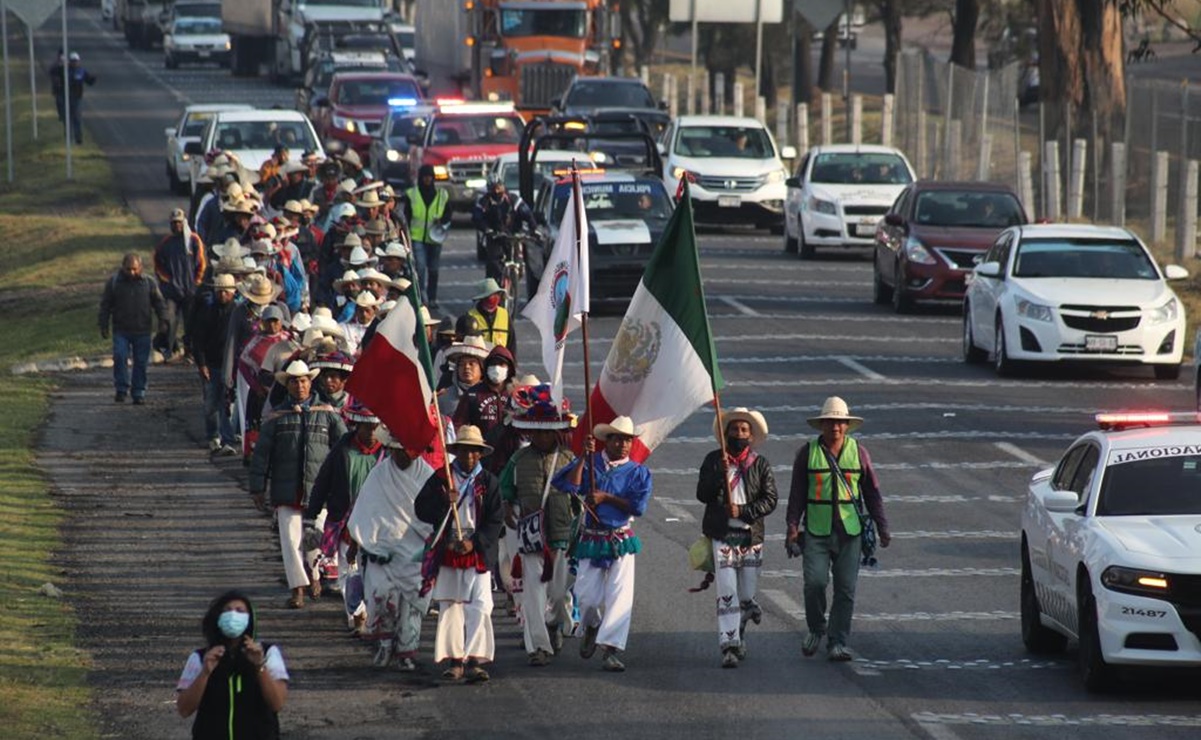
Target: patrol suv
column 461, row 141
column 1111, row 547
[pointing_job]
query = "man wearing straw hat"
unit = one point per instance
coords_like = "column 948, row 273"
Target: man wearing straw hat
column 738, row 490
column 542, row 517
column 466, row 509
column 832, row 475
column 616, row 490
column 292, row 444
column 210, row 325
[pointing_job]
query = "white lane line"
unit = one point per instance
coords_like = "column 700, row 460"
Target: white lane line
column 1019, row 453
column 676, row 510
column 848, row 361
column 920, row 436
column 938, row 732
column 793, row 609
column 855, row 366
column 941, row 407
column 956, row 465
column 936, row 719
column 911, row 573
column 942, row 664
column 786, row 603
column 953, row 498
column 532, row 342
column 739, row 306
column 795, row 283
column 923, row 534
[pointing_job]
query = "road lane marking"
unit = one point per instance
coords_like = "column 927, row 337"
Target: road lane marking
column 867, row 667
column 1058, row 720
column 739, row 306
column 954, row 465
column 855, row 366
column 910, row 573
column 676, row 510
column 1020, row 454
column 947, row 534
column 879, row 436
column 848, row 361
column 792, row 608
column 893, row 498
column 532, row 342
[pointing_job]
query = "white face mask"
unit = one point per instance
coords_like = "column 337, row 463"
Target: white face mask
column 497, row 374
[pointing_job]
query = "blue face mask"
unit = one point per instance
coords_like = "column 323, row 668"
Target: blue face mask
column 233, row 624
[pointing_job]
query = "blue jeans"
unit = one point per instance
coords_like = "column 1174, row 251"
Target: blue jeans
column 125, row 348
column 217, row 422
column 428, row 257
column 77, row 120
column 821, row 556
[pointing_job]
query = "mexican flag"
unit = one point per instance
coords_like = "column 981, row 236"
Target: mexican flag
column 393, row 377
column 662, row 365
column 562, row 295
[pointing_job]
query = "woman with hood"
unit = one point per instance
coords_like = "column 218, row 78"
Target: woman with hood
column 427, row 209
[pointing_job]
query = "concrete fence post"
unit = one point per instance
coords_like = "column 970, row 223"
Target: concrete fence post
column 856, row 119
column 886, row 120
column 782, row 122
column 1079, row 163
column 739, row 105
column 951, row 167
column 1026, row 182
column 802, row 129
column 984, row 165
column 667, row 90
column 1051, row 186
column 690, row 93
column 1186, row 218
column 1117, row 183
column 827, row 120
column 761, row 109
column 923, row 145
column 1159, row 197
column 706, row 96
column 645, row 73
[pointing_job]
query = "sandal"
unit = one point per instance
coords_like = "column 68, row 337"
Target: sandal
column 454, row 673
column 297, row 599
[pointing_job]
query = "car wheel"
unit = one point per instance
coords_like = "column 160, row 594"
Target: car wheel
column 1000, row 357
column 1098, row 676
column 881, row 293
column 901, row 303
column 971, row 353
column 1167, row 372
column 481, row 254
column 1037, row 638
column 806, row 249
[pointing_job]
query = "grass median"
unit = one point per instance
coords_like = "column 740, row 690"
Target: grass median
column 61, row 239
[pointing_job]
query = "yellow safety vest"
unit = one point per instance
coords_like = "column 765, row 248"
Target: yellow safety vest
column 498, row 333
column 423, row 217
column 823, row 490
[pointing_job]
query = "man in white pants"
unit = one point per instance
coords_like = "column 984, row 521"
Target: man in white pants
column 618, row 490
column 541, row 517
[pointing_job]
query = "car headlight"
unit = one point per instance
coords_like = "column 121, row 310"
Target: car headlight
column 185, row 157
column 1035, row 311
column 393, row 155
column 827, row 207
column 777, row 176
column 228, row 46
column 339, row 121
column 599, row 157
column 1165, row 313
column 351, row 126
column 440, row 172
column 1135, row 581
column 915, row 251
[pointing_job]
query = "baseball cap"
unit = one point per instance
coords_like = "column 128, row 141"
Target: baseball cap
column 178, row 215
column 273, row 312
column 74, row 57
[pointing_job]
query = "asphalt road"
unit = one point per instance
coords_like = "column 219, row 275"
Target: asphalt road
column 936, row 631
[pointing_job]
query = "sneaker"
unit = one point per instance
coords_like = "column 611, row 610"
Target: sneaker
column 729, row 658
column 556, row 637
column 477, row 674
column 809, row 646
column 740, row 651
column 383, row 654
column 611, row 662
column 588, row 646
column 539, row 658
column 119, row 398
column 406, row 665
column 227, row 451
column 214, row 446
column 839, row 654
column 751, row 612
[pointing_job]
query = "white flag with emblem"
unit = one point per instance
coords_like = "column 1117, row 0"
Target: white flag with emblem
column 562, row 296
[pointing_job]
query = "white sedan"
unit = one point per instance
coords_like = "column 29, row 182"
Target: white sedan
column 1073, row 293
column 189, row 128
column 839, row 195
column 1111, row 547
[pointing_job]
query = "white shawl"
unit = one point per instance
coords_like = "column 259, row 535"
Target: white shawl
column 383, row 521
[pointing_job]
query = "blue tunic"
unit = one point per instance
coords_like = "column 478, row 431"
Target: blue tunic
column 630, row 481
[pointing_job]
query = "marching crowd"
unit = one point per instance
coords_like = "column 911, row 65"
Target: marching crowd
column 274, row 285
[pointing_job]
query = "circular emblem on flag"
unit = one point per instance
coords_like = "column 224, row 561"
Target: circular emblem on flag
column 635, row 349
column 560, row 299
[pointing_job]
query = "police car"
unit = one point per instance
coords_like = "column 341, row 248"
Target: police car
column 1111, row 547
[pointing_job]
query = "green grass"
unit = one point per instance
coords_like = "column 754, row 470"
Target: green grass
column 61, row 239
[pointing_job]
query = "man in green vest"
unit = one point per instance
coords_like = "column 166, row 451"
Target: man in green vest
column 831, row 474
column 427, row 211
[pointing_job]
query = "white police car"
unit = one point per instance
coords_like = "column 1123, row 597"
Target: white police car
column 1111, row 547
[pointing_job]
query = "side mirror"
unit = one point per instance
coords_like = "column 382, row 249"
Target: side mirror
column 663, row 105
column 793, row 182
column 194, row 148
column 788, row 152
column 988, row 269
column 556, row 103
column 894, row 219
column 1175, row 272
column 662, row 149
column 169, row 131
column 1061, row 502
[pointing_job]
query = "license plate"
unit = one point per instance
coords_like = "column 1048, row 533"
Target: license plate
column 729, row 201
column 865, row 229
column 205, row 54
column 1100, row 343
column 476, row 184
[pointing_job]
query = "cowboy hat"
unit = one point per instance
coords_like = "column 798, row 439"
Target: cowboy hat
column 262, row 246
column 385, row 307
column 346, row 187
column 293, row 165
column 232, row 191
column 178, row 215
column 350, row 156
column 231, row 248
column 387, row 193
column 258, row 289
column 488, row 287
column 473, row 346
column 350, row 276
column 469, row 436
column 224, row 281
column 392, row 249
column 370, row 273
column 349, row 240
column 366, row 299
column 369, row 199
column 835, row 409
column 401, row 284
column 301, row 322
column 373, row 185
column 529, row 379
column 232, row 266
column 376, row 227
column 297, row 369
column 742, row 413
column 621, row 425
column 241, row 205
column 427, row 319
column 306, row 206
column 294, row 206
column 359, row 257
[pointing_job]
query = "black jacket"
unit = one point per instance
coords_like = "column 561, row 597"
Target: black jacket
column 236, row 679
column 210, row 328
column 331, row 490
column 431, row 507
column 131, row 304
column 759, row 484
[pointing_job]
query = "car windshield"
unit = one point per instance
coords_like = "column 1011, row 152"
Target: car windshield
column 738, row 142
column 466, row 130
column 644, row 201
column 197, row 26
column 543, row 169
column 404, row 124
column 408, row 39
column 1151, row 482
column 565, row 22
column 237, row 135
column 375, row 92
column 1118, row 259
column 967, row 209
column 609, row 95
column 860, row 168
column 196, row 123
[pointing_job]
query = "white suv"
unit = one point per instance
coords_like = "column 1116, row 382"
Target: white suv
column 734, row 167
column 839, row 195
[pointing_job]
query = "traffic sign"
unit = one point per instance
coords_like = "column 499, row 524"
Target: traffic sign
column 33, row 13
column 724, row 11
column 820, row 13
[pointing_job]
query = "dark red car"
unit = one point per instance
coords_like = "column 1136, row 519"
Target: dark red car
column 357, row 103
column 932, row 237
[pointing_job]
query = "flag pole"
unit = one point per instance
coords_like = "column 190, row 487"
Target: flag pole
column 579, row 244
column 725, row 458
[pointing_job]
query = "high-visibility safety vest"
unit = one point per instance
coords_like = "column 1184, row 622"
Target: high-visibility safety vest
column 423, row 217
column 498, row 332
column 824, row 490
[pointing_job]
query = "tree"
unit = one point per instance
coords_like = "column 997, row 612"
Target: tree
column 825, row 67
column 890, row 17
column 802, row 61
column 963, row 43
column 642, row 22
column 1080, row 61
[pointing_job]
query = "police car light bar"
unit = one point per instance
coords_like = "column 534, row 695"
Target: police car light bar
column 402, row 102
column 468, row 108
column 1132, row 419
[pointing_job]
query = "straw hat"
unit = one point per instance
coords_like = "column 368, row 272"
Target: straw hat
column 258, row 289
column 835, row 409
column 742, row 413
column 301, row 322
column 366, row 299
column 621, row 425
column 488, row 287
column 239, row 205
column 359, row 257
column 306, row 206
column 529, row 379
column 350, row 276
column 297, row 369
column 369, row 199
column 468, row 436
column 376, row 227
column 224, row 282
column 470, row 347
column 351, row 157
column 323, row 320
column 294, row 165
column 427, row 319
column 392, row 249
column 347, row 187
column 370, row 273
column 386, row 307
column 294, row 206
column 401, row 284
column 263, row 246
column 373, row 185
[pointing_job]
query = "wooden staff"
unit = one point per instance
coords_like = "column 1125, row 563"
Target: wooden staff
column 450, row 478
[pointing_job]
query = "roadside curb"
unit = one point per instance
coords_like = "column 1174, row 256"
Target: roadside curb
column 71, row 364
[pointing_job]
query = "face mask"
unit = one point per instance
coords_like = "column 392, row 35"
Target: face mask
column 490, row 303
column 736, row 446
column 233, row 624
column 497, row 374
